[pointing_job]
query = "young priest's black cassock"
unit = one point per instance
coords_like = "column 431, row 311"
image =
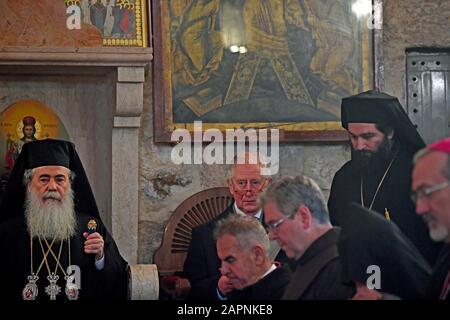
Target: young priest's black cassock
column 369, row 240
column 15, row 245
column 393, row 192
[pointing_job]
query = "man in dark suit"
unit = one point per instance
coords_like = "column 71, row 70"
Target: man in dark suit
column 242, row 246
column 202, row 263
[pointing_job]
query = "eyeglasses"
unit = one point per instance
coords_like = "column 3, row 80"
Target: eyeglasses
column 252, row 184
column 427, row 192
column 276, row 224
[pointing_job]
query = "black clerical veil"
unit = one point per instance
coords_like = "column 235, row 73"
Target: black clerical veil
column 368, row 239
column 48, row 152
column 383, row 109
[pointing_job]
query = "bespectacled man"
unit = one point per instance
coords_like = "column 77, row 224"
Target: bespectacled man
column 431, row 193
column 202, row 265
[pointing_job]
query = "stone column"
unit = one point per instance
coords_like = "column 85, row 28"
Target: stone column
column 125, row 160
column 143, row 282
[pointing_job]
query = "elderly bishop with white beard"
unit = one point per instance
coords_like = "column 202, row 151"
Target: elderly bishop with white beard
column 52, row 240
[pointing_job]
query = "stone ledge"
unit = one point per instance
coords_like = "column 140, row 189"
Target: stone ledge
column 130, row 74
column 127, row 122
column 76, row 56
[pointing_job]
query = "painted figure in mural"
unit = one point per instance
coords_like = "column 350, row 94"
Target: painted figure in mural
column 267, row 46
column 198, row 48
column 86, row 11
column 127, row 20
column 13, row 149
column 117, row 14
column 123, row 13
column 29, row 131
column 237, row 59
column 109, row 21
column 98, row 15
column 332, row 32
column 263, row 50
column 10, row 148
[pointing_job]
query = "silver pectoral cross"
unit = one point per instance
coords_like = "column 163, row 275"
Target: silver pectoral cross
column 52, row 289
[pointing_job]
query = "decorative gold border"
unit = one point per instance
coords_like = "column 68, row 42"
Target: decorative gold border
column 141, row 30
column 288, row 126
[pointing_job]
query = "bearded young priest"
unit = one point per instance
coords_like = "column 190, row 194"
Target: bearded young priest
column 378, row 176
column 50, row 221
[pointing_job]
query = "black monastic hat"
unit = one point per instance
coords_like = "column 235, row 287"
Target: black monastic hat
column 378, row 107
column 48, row 152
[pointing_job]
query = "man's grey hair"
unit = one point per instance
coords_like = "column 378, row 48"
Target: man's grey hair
column 248, row 231
column 423, row 152
column 245, row 158
column 28, row 176
column 290, row 193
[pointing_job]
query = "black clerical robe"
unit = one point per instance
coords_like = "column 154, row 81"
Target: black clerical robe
column 440, row 273
column 393, row 195
column 367, row 239
column 108, row 283
column 271, row 287
column 318, row 272
column 202, row 263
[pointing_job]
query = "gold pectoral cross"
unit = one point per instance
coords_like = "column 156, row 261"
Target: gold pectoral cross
column 387, row 215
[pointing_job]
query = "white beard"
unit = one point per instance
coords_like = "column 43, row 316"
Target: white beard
column 54, row 219
column 437, row 231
